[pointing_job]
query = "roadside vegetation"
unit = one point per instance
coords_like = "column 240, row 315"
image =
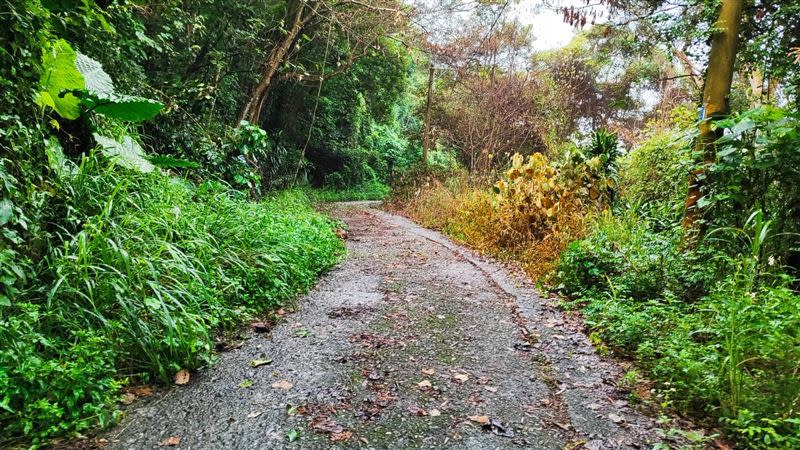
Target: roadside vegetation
column 675, row 238
column 160, row 165
column 142, row 218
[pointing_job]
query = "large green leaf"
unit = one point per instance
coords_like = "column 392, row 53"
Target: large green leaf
column 130, row 108
column 169, row 162
column 127, row 153
column 100, row 97
column 96, row 79
column 60, row 76
column 74, row 82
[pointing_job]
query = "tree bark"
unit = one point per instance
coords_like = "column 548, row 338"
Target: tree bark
column 252, row 109
column 719, row 76
column 426, row 138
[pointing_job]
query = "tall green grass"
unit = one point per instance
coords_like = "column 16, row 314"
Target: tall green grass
column 141, row 270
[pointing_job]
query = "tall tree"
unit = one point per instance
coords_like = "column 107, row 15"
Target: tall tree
column 719, row 76
column 299, row 13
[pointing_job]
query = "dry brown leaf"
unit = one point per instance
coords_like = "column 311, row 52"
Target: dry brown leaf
column 721, row 445
column 417, row 411
column 171, row 441
column 424, row 384
column 324, row 424
column 434, row 413
column 182, row 377
column 616, row 418
column 427, row 371
column 483, row 420
column 141, row 391
column 283, row 384
column 341, row 436
column 461, row 377
column 490, row 388
column 260, row 327
column 128, row 398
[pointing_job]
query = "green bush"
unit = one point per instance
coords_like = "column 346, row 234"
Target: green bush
column 720, row 333
column 142, row 270
column 653, row 175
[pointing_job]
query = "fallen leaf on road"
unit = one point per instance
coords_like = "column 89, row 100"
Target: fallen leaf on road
column 484, row 380
column 246, row 384
column 283, row 384
column 260, row 362
column 254, row 414
column 461, row 377
column 171, row 441
column 490, row 388
column 475, row 399
column 424, row 384
column 417, row 411
column 128, row 398
column 384, row 399
column 428, row 371
column 343, row 436
column 616, row 418
column 141, row 391
column 281, row 311
column 259, row 327
column 182, row 377
column 324, row 424
column 563, row 426
column 483, row 420
column 434, row 413
column 292, row 435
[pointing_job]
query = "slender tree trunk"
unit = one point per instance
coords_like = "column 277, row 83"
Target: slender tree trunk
column 252, row 109
column 687, row 66
column 426, row 138
column 719, row 76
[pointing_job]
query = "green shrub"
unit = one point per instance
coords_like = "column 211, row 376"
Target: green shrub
column 653, row 175
column 720, row 333
column 142, row 270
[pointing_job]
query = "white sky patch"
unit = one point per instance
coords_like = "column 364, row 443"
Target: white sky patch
column 548, row 26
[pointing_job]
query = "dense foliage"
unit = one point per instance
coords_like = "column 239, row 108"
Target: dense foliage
column 708, row 312
column 139, row 214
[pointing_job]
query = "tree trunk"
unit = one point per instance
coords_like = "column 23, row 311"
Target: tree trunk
column 252, row 110
column 426, row 138
column 719, row 76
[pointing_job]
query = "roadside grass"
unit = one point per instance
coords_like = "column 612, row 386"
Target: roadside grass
column 141, row 271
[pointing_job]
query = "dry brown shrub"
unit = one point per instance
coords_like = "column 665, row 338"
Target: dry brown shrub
column 529, row 216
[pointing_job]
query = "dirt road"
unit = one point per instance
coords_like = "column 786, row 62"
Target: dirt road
column 411, row 342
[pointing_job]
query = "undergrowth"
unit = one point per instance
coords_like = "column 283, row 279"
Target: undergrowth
column 139, row 273
column 369, row 190
column 720, row 334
